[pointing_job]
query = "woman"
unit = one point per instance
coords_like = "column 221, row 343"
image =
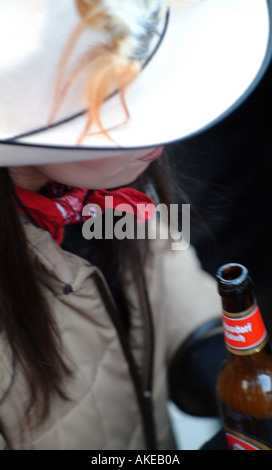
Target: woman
column 88, row 328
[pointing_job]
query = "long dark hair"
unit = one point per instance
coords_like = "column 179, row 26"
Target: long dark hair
column 26, row 320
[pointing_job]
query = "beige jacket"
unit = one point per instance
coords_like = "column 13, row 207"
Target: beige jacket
column 119, row 384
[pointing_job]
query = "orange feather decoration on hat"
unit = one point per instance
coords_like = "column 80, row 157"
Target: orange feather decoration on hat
column 129, row 27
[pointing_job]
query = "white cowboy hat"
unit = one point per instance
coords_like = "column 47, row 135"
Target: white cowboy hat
column 198, row 59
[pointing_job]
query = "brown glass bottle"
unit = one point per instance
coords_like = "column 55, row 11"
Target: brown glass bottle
column 244, row 385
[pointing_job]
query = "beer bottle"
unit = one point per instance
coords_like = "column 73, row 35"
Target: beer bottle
column 244, row 384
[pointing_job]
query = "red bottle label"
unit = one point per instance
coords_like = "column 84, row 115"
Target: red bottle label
column 244, row 333
column 244, row 443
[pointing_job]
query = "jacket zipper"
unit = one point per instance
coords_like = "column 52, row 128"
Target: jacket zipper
column 143, row 388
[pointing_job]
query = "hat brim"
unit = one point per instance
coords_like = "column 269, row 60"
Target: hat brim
column 213, row 54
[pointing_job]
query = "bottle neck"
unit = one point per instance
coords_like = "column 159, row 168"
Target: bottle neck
column 238, row 300
column 244, row 329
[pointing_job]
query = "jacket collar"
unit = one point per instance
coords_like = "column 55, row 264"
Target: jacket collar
column 62, row 265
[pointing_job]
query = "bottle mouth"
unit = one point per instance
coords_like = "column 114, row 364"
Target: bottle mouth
column 235, row 286
column 232, row 274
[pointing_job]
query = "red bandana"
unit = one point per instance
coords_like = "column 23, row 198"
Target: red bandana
column 63, row 205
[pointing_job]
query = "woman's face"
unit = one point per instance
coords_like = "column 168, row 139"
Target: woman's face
column 103, row 173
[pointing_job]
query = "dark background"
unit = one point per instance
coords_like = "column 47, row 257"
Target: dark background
column 225, row 174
